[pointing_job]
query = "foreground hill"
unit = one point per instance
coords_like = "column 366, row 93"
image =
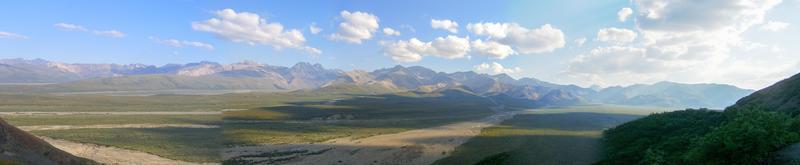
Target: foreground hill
column 756, row 130
column 783, row 96
column 20, row 147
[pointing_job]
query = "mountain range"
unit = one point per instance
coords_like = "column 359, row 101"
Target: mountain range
column 249, row 75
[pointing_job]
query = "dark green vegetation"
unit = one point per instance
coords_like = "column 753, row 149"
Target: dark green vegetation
column 350, row 115
column 701, row 137
column 756, row 130
column 783, row 96
column 188, row 144
column 557, row 135
column 632, row 141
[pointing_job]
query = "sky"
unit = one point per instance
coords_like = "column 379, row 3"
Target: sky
column 747, row 43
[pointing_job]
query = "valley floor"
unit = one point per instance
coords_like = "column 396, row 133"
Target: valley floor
column 112, row 155
column 419, row 146
column 551, row 135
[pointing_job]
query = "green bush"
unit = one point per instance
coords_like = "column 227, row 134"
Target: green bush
column 749, row 138
column 744, row 136
column 660, row 138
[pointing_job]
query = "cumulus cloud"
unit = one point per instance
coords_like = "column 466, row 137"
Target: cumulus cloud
column 79, row 28
column 445, row 24
column 683, row 16
column 450, row 47
column 580, row 41
column 250, row 28
column 356, row 26
column 492, row 49
column 314, row 29
column 182, row 43
column 616, row 59
column 774, row 26
column 623, row 14
column 616, row 35
column 496, row 68
column 391, row 32
column 10, row 35
column 687, row 41
column 525, row 41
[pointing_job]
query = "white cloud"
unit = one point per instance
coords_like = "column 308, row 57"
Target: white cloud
column 492, row 49
column 496, row 68
column 623, row 14
column 314, row 29
column 182, row 43
column 79, row 28
column 391, row 32
column 449, row 25
column 774, row 26
column 615, row 59
column 10, row 35
column 250, row 28
column 580, row 41
column 356, row 26
column 616, row 35
column 110, row 33
column 525, row 41
column 70, row 27
column 404, row 51
column 450, row 47
column 684, row 16
column 685, row 41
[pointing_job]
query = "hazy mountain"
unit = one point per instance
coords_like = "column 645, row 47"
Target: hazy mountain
column 202, row 75
column 20, row 147
column 249, row 75
column 670, row 94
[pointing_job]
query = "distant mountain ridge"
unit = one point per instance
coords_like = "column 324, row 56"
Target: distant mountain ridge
column 249, row 75
column 670, row 94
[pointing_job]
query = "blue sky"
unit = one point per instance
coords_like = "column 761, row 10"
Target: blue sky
column 652, row 44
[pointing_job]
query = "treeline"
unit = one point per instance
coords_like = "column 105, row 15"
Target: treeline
column 700, row 136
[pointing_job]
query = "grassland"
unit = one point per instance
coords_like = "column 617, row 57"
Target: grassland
column 352, row 116
column 298, row 133
column 162, row 103
column 188, row 144
column 31, row 120
column 545, row 135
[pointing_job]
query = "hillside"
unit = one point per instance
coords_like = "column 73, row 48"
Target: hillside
column 783, row 96
column 756, row 130
column 23, row 148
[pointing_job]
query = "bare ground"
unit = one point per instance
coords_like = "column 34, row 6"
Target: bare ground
column 112, row 155
column 421, row 146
